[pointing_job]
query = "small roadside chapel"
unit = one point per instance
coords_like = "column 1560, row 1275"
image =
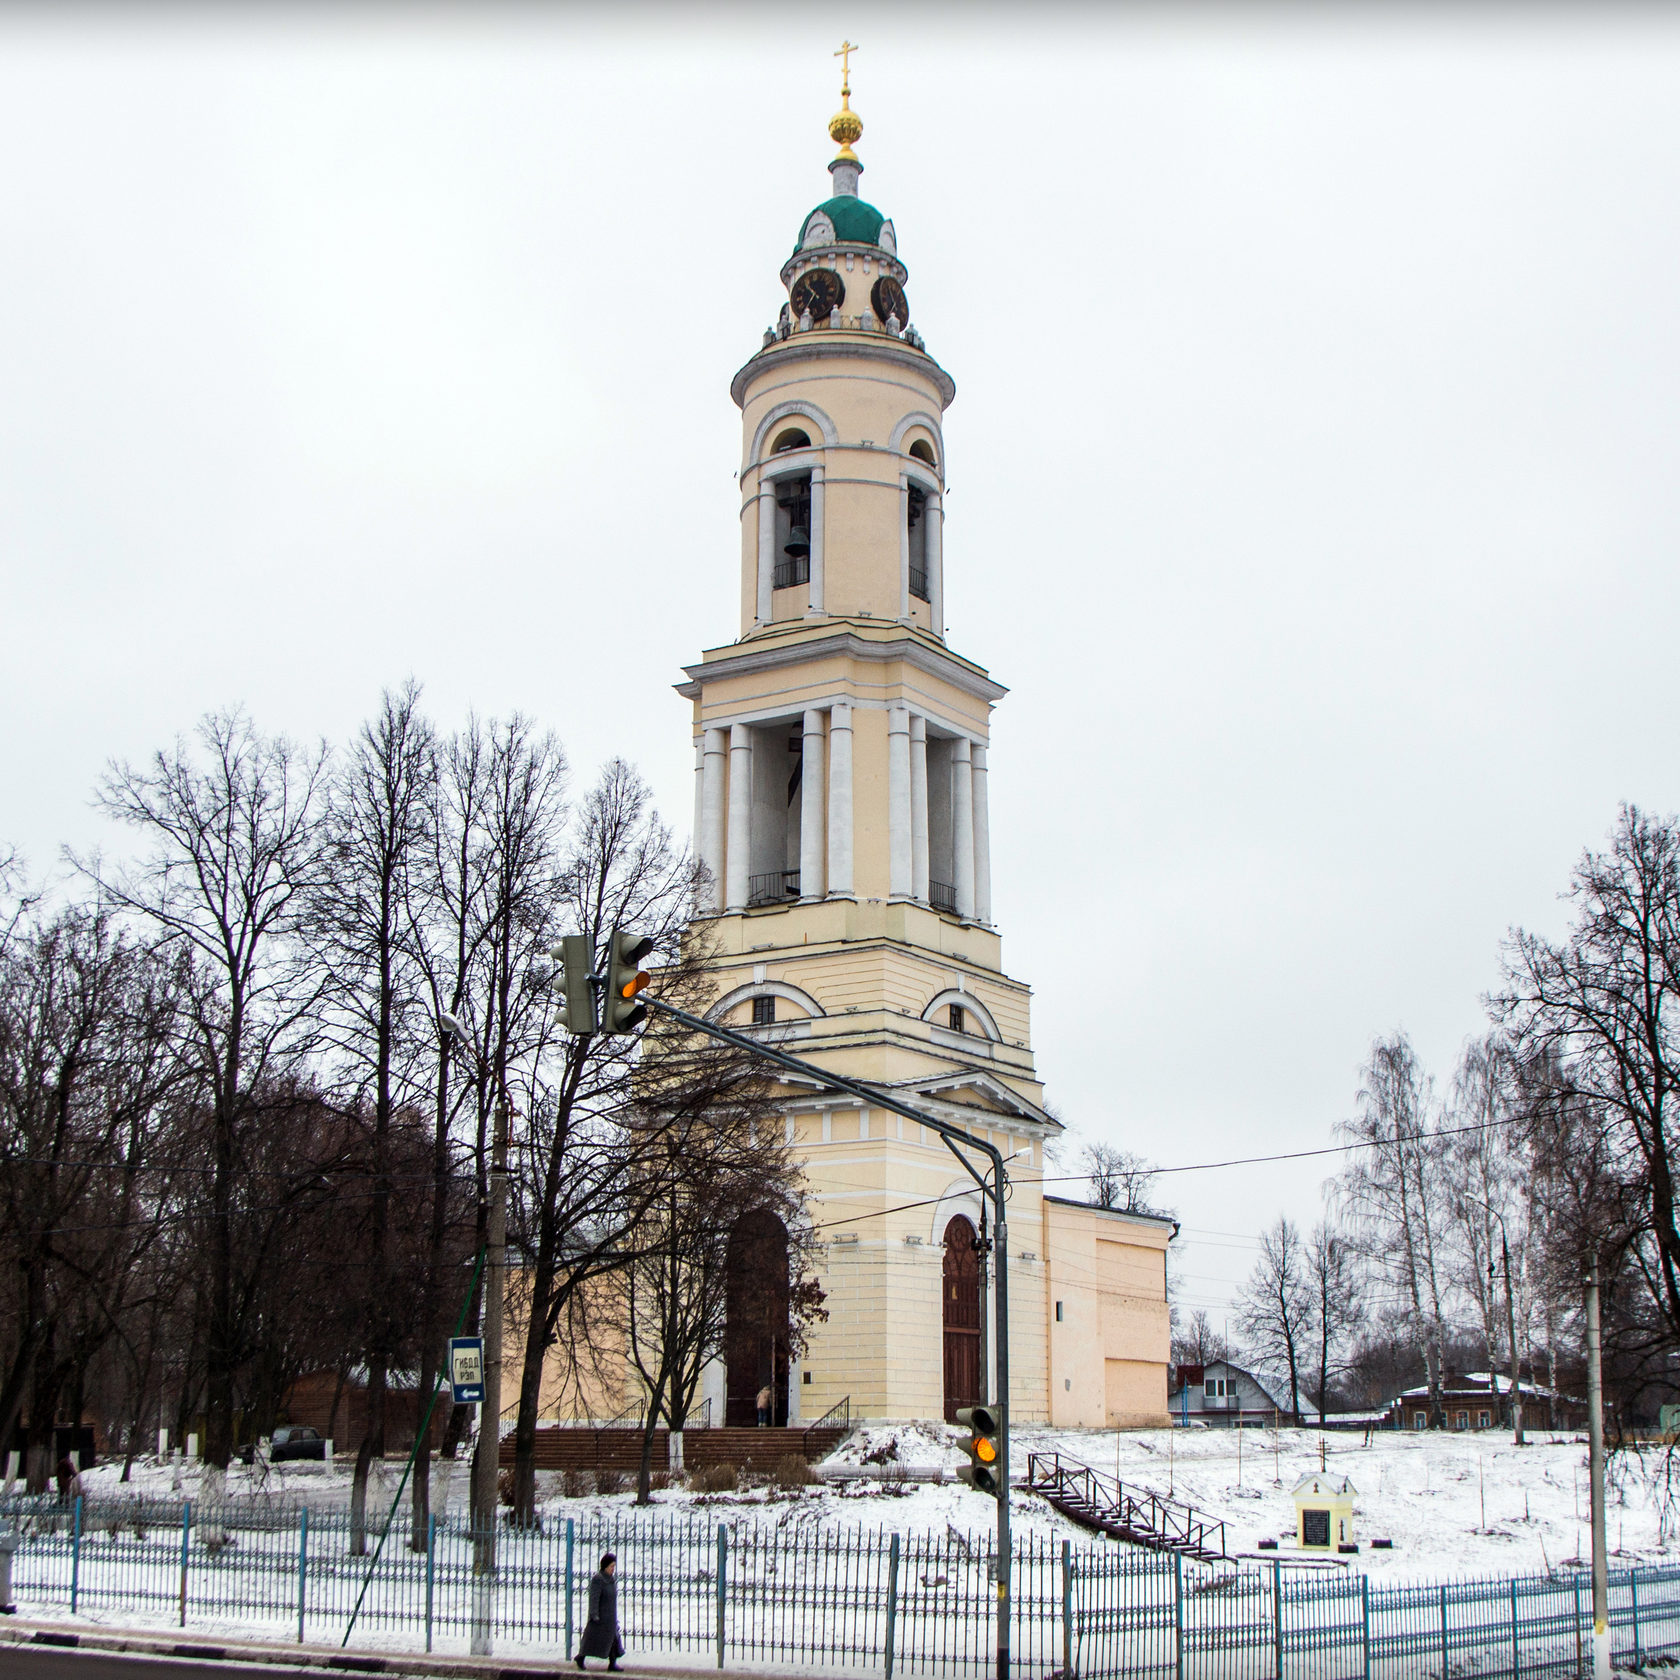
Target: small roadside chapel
column 1324, row 1512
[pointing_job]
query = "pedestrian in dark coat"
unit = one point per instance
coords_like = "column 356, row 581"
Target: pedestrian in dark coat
column 600, row 1632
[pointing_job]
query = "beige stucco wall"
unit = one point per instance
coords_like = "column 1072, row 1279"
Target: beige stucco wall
column 1109, row 1351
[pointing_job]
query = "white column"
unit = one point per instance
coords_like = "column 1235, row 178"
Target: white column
column 739, row 858
column 840, row 799
column 811, row 803
column 903, row 545
column 898, row 802
column 817, row 602
column 962, row 825
column 935, row 517
column 766, row 545
column 918, row 808
column 716, row 746
column 982, row 840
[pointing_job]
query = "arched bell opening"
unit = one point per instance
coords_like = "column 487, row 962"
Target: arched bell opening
column 757, row 1335
column 962, row 1317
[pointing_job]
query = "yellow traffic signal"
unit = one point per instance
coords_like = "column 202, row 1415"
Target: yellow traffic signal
column 620, row 1010
column 982, row 1448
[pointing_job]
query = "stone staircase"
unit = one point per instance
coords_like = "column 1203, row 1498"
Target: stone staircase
column 1106, row 1504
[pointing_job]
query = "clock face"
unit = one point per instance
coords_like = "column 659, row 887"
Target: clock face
column 888, row 299
column 820, row 290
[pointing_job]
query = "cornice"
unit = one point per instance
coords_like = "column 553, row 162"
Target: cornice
column 821, row 342
column 750, row 659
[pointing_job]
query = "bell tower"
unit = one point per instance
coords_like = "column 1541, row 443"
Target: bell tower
column 842, row 815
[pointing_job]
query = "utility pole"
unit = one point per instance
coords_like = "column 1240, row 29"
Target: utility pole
column 1511, row 1332
column 487, row 1463
column 1595, row 1473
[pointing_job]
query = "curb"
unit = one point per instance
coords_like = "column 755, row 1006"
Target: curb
column 117, row 1641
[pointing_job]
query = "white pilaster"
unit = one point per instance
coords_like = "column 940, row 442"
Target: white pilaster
column 739, row 859
column 962, row 825
column 766, row 546
column 982, row 839
column 918, row 808
column 935, row 517
column 817, row 599
column 811, row 802
column 898, row 802
column 903, row 545
column 716, row 749
column 840, row 799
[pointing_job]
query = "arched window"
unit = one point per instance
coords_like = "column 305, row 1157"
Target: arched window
column 961, row 1293
column 793, row 530
column 922, row 450
column 916, row 513
column 792, row 438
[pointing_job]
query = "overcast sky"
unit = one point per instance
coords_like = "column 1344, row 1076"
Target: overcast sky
column 1313, row 463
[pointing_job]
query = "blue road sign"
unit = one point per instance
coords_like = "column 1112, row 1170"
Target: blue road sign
column 466, row 1370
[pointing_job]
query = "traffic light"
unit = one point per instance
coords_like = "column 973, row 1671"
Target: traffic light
column 574, row 983
column 982, row 1449
column 621, row 1012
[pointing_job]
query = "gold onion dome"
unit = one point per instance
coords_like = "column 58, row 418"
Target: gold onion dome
column 846, row 127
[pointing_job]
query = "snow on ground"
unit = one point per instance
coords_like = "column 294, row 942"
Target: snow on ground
column 1453, row 1504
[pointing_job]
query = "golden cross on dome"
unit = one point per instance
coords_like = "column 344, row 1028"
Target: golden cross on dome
column 847, row 48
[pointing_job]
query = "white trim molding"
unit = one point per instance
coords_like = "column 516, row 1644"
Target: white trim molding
column 786, row 411
column 971, row 1005
column 765, row 988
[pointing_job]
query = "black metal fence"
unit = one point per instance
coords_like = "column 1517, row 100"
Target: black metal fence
column 794, row 1594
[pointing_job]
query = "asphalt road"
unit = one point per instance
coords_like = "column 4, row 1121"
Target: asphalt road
column 47, row 1662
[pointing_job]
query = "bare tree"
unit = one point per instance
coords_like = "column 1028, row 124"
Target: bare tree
column 1275, row 1306
column 1198, row 1343
column 1597, row 1011
column 1393, row 1189
column 1120, row 1179
column 377, row 842
column 232, row 831
column 1334, row 1285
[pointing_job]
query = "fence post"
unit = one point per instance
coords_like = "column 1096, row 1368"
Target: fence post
column 1277, row 1614
column 431, row 1571
column 1516, row 1637
column 1067, row 1608
column 76, row 1557
column 722, row 1564
column 1365, row 1598
column 571, row 1535
column 1446, row 1651
column 1633, row 1592
column 303, row 1567
column 187, row 1527
column 1178, row 1615
column 892, row 1601
column 1577, row 1623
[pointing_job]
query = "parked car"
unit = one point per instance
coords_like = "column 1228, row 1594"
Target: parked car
column 290, row 1440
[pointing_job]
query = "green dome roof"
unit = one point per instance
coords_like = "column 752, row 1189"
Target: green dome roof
column 855, row 223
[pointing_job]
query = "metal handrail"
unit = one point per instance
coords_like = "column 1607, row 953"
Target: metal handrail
column 942, row 895
column 1147, row 1516
column 838, row 1416
column 919, row 584
column 790, row 572
column 773, row 886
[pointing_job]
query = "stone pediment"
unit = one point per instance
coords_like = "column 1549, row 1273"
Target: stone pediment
column 982, row 1094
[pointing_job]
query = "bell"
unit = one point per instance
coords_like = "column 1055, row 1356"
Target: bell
column 798, row 543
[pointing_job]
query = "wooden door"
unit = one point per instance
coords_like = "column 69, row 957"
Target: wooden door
column 962, row 1318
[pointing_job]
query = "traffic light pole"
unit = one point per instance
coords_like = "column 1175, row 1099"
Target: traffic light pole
column 997, row 1188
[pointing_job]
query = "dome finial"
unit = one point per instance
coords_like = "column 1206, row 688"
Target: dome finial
column 846, row 126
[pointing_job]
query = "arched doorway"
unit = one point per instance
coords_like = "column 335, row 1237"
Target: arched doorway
column 756, row 1335
column 962, row 1317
